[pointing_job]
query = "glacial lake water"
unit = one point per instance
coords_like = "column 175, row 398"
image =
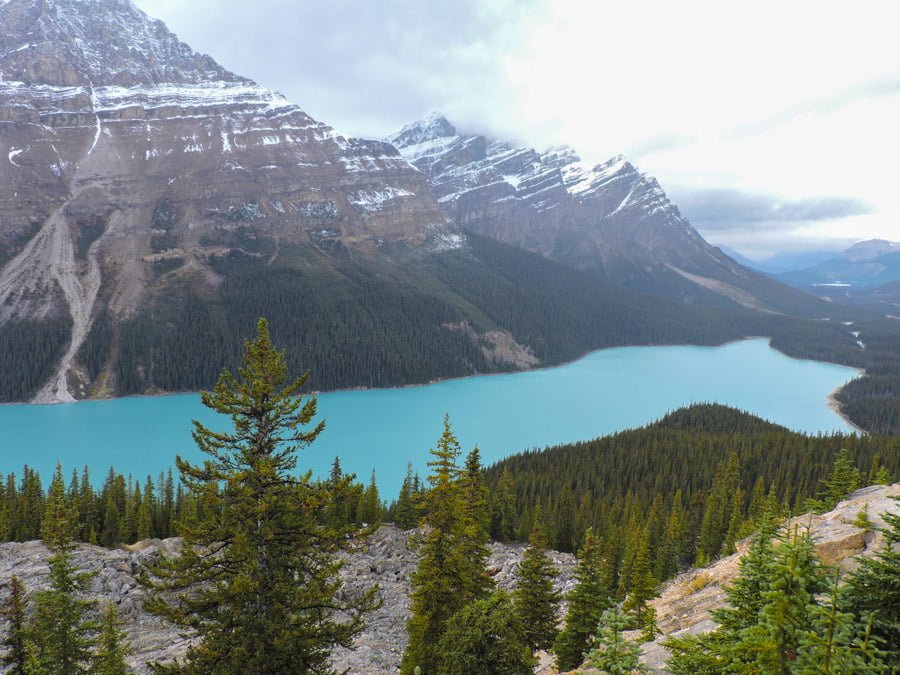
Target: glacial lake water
column 383, row 429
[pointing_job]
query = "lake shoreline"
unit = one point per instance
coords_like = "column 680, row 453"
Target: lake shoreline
column 832, row 402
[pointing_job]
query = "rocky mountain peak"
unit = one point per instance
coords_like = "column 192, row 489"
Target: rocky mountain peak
column 98, row 43
column 431, row 127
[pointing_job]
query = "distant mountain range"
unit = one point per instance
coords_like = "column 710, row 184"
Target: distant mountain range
column 865, row 274
column 785, row 261
column 153, row 205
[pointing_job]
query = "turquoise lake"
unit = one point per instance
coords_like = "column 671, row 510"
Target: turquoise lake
column 383, row 429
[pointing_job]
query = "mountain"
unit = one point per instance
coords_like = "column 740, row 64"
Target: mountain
column 609, row 219
column 153, row 205
column 853, row 276
column 868, row 263
column 785, row 261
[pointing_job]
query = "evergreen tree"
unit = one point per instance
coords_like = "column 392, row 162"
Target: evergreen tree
column 873, row 591
column 535, row 600
column 591, row 595
column 111, row 647
column 796, row 576
column 406, row 514
column 503, row 509
column 611, row 652
column 16, row 636
column 60, row 635
column 448, row 577
column 485, row 637
column 641, row 588
column 257, row 575
column 843, row 479
column 828, row 647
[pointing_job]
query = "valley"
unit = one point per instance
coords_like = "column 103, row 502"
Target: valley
column 230, row 333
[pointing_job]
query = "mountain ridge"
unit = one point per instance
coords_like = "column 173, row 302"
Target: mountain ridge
column 607, row 218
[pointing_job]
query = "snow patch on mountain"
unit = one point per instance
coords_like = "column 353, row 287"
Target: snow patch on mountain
column 373, row 200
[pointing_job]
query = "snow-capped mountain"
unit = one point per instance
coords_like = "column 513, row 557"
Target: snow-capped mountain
column 126, row 151
column 608, row 218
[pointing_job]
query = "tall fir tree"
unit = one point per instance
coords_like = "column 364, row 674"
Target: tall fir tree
column 112, row 648
column 873, row 591
column 406, row 513
column 591, row 595
column 448, row 576
column 60, row 635
column 15, row 658
column 503, row 509
column 257, row 577
column 535, row 599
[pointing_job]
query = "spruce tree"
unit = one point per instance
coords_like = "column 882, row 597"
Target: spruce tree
column 642, row 588
column 591, row 595
column 786, row 615
column 257, row 575
column 109, row 658
column 535, row 600
column 828, row 646
column 60, row 635
column 14, row 660
column 873, row 591
column 406, row 514
column 450, row 573
column 611, row 652
column 485, row 637
column 503, row 509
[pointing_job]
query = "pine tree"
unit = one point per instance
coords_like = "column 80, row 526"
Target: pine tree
column 407, row 516
column 448, row 577
column 109, row 658
column 485, row 637
column 828, row 647
column 535, row 600
column 843, row 479
column 611, row 652
column 591, row 595
column 60, row 635
column 873, row 591
column 257, row 575
column 16, row 636
column 642, row 587
column 786, row 615
column 503, row 510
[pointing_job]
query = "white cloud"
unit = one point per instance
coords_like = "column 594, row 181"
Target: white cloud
column 797, row 100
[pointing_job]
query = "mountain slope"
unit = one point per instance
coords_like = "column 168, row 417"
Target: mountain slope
column 134, row 164
column 608, row 219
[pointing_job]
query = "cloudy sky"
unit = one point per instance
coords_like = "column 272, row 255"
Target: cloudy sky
column 773, row 125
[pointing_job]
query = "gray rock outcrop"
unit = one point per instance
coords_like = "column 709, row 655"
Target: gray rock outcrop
column 387, row 559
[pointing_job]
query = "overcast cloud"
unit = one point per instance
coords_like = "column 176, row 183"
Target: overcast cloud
column 772, row 124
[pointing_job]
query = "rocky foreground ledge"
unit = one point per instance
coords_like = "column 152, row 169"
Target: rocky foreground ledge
column 685, row 604
column 386, row 558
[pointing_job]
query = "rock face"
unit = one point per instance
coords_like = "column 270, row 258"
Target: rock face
column 386, row 559
column 126, row 150
column 608, row 218
column 685, row 603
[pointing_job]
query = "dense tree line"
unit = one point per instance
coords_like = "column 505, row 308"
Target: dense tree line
column 376, row 323
column 29, row 353
column 676, row 493
column 122, row 510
